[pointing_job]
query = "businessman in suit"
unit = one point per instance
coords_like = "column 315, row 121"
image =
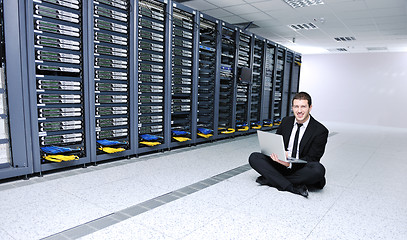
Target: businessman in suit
column 304, row 138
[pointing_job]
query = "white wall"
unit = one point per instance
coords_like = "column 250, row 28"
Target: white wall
column 362, row 88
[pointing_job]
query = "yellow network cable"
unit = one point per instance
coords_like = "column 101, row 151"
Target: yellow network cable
column 111, row 150
column 150, row 144
column 228, row 131
column 204, row 135
column 245, row 128
column 181, row 139
column 60, row 158
column 256, row 127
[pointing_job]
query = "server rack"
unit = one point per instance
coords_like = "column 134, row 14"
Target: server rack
column 183, row 75
column 153, row 70
column 294, row 80
column 285, row 98
column 57, row 60
column 256, row 121
column 267, row 89
column 208, row 78
column 228, row 70
column 243, row 81
column 112, row 72
column 277, row 95
column 15, row 148
column 68, row 62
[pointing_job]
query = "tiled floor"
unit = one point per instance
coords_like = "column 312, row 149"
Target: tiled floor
column 209, row 192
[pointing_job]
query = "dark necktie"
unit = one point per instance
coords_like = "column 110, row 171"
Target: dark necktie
column 297, row 135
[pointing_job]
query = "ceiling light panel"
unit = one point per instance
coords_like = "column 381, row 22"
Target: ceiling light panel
column 303, row 3
column 344, row 39
column 303, row 26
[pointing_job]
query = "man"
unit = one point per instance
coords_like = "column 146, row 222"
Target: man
column 311, row 139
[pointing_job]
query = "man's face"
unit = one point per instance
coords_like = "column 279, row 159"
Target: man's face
column 301, row 110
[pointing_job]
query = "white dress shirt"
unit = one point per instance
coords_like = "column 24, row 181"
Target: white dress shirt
column 292, row 136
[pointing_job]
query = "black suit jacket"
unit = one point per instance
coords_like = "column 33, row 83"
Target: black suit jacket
column 313, row 142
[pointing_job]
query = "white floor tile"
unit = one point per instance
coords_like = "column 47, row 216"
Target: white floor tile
column 178, row 218
column 127, row 230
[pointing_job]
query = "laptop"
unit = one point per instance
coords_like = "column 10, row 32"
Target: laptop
column 273, row 143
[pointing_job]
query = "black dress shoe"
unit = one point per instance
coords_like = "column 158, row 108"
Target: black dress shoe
column 261, row 180
column 321, row 184
column 301, row 190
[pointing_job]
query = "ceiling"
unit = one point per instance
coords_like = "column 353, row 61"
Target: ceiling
column 375, row 25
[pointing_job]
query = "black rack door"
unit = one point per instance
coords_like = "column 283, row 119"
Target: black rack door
column 208, row 59
column 182, row 73
column 267, row 98
column 227, row 107
column 295, row 80
column 277, row 105
column 59, row 77
column 244, row 80
column 257, row 84
column 288, row 63
column 112, row 39
column 152, row 55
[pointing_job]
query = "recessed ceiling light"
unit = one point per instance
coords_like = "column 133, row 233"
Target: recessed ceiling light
column 303, row 26
column 338, row 50
column 377, row 48
column 303, row 3
column 344, row 39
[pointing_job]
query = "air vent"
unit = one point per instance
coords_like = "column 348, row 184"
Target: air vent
column 303, row 3
column 377, row 48
column 344, row 39
column 338, row 50
column 246, row 25
column 303, row 26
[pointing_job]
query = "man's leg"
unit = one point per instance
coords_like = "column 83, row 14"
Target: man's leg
column 312, row 173
column 270, row 170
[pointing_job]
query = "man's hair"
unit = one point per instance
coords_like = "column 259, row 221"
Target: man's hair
column 303, row 96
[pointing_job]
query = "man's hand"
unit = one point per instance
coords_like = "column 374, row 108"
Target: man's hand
column 275, row 159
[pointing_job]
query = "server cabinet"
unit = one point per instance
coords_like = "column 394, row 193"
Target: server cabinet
column 227, row 93
column 208, row 78
column 294, row 80
column 111, row 70
column 277, row 95
column 243, row 81
column 256, row 95
column 15, row 136
column 153, row 71
column 267, row 109
column 183, row 75
column 57, row 63
column 285, row 98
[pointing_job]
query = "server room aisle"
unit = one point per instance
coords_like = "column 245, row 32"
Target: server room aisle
column 209, row 192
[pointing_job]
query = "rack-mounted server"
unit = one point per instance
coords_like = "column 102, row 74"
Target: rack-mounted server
column 244, row 80
column 59, row 75
column 111, row 24
column 152, row 39
column 285, row 99
column 208, row 50
column 182, row 73
column 257, row 84
column 227, row 93
column 277, row 106
column 267, row 98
